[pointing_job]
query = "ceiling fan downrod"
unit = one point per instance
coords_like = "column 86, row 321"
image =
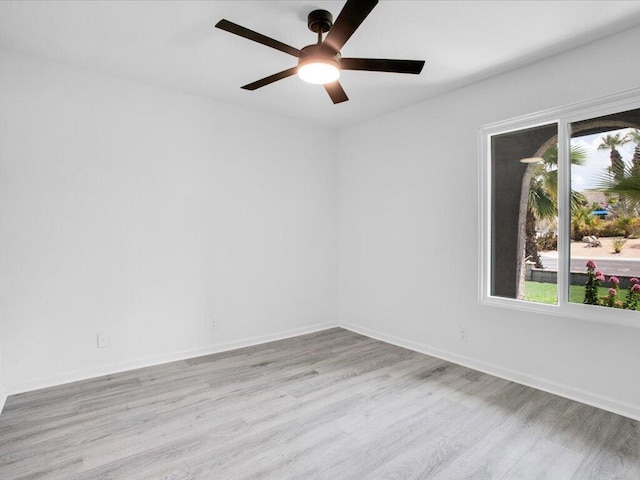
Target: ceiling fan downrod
column 319, row 21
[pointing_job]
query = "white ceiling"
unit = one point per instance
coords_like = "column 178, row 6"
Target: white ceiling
column 174, row 44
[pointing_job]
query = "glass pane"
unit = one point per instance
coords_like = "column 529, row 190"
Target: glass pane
column 605, row 208
column 524, row 214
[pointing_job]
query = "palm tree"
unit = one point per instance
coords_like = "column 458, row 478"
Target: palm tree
column 543, row 195
column 542, row 204
column 549, row 174
column 626, row 186
column 627, row 183
column 612, row 141
column 582, row 221
column 634, row 136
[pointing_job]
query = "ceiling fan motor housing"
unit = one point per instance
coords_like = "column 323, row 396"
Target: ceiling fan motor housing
column 313, row 53
column 319, row 21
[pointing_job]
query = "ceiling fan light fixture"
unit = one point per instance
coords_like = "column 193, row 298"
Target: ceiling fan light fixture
column 319, row 70
column 532, row 160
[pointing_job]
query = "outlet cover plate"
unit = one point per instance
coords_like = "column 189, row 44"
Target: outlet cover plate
column 463, row 334
column 103, row 339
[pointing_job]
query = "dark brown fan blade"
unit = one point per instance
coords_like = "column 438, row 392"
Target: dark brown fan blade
column 336, row 92
column 257, row 37
column 349, row 19
column 271, row 78
column 382, row 65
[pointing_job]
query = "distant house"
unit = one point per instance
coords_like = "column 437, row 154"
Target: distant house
column 600, row 212
column 598, row 199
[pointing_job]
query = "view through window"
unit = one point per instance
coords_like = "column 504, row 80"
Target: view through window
column 593, row 173
column 605, row 211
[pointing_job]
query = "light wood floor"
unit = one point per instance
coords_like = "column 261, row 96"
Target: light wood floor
column 331, row 405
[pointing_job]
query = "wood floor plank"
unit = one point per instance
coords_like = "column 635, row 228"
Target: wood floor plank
column 546, row 461
column 420, row 460
column 331, row 405
column 616, row 454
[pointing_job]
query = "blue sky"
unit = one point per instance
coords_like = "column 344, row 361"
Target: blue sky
column 583, row 178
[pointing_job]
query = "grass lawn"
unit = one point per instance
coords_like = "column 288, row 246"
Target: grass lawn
column 546, row 292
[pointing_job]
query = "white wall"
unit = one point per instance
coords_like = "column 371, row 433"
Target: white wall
column 144, row 213
column 408, row 233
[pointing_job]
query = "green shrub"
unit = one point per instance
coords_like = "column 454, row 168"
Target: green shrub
column 625, row 223
column 548, row 241
column 609, row 228
column 618, row 244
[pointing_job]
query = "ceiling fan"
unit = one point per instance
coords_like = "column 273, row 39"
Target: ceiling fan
column 322, row 62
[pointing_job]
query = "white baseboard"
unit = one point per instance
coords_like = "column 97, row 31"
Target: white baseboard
column 159, row 359
column 595, row 400
column 582, row 396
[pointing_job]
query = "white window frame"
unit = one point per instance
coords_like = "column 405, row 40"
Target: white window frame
column 563, row 117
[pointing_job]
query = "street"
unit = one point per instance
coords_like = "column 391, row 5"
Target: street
column 626, row 267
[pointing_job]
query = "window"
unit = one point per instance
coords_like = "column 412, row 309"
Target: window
column 560, row 208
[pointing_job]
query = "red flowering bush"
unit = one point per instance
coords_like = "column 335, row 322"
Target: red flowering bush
column 595, row 278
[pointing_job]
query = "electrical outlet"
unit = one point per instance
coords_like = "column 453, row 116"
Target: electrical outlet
column 214, row 323
column 103, row 339
column 463, row 334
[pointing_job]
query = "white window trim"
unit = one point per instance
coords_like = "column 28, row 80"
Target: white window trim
column 563, row 117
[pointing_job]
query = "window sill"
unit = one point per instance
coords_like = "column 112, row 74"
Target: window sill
column 591, row 313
